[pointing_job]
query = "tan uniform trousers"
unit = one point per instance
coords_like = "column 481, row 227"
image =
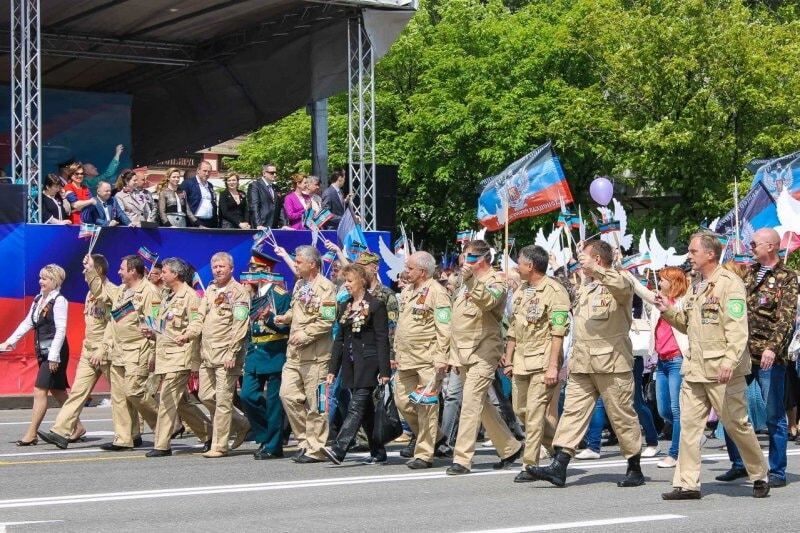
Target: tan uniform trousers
column 423, row 419
column 173, row 403
column 128, row 385
column 476, row 409
column 730, row 403
column 299, row 395
column 582, row 392
column 86, row 377
column 217, row 387
column 536, row 405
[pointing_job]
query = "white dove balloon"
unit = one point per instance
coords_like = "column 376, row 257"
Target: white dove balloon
column 396, row 263
column 625, row 240
column 788, row 213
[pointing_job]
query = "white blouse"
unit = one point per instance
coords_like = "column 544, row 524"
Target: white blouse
column 59, row 317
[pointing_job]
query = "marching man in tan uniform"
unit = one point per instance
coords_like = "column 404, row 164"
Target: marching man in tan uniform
column 174, row 363
column 133, row 355
column 539, row 322
column 311, row 315
column 223, row 319
column 477, row 349
column 94, row 360
column 600, row 365
column 714, row 316
column 422, row 347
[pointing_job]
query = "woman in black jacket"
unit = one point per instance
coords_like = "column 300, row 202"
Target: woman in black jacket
column 361, row 351
column 233, row 205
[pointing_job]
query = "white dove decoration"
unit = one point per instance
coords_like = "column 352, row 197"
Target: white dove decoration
column 713, row 225
column 511, row 264
column 625, row 240
column 788, row 213
column 660, row 257
column 480, row 234
column 396, row 263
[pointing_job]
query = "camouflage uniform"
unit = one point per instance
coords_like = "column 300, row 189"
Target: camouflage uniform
column 771, row 307
column 388, row 297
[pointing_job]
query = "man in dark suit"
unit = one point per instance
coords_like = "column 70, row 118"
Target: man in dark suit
column 200, row 196
column 105, row 212
column 334, row 199
column 262, row 199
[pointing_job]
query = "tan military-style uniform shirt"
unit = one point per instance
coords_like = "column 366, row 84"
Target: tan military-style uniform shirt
column 129, row 347
column 478, row 311
column 422, row 338
column 176, row 314
column 223, row 318
column 96, row 315
column 602, row 321
column 714, row 316
column 312, row 312
column 538, row 314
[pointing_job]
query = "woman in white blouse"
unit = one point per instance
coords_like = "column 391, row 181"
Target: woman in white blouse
column 47, row 318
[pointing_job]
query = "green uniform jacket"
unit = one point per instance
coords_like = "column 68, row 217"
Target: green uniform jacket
column 266, row 346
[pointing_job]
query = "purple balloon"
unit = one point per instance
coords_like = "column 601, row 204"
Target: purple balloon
column 601, row 190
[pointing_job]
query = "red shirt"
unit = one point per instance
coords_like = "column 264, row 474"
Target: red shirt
column 666, row 345
column 76, row 193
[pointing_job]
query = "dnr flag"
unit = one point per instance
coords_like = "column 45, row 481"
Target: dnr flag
column 531, row 185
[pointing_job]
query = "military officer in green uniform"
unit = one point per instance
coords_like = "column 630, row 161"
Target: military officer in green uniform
column 266, row 355
column 371, row 262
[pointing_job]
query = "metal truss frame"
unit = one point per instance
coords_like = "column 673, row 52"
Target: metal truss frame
column 361, row 121
column 26, row 101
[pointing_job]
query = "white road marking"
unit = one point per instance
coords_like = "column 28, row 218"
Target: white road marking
column 585, row 523
column 93, row 449
column 3, row 525
column 48, row 423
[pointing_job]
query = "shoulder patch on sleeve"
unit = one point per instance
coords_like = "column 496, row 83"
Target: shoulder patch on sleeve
column 442, row 315
column 496, row 291
column 328, row 310
column 559, row 318
column 241, row 311
column 736, row 307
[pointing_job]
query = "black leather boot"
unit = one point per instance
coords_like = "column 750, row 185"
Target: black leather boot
column 634, row 476
column 555, row 473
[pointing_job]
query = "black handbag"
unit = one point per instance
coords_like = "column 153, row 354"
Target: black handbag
column 387, row 425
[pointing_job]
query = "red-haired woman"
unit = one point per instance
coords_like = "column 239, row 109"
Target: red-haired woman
column 670, row 345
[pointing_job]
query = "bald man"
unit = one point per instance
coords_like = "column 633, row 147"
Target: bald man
column 771, row 305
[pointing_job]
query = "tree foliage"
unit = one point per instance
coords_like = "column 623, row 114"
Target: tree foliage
column 667, row 96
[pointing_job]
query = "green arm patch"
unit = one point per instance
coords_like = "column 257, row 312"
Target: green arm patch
column 559, row 318
column 154, row 310
column 495, row 291
column 241, row 311
column 328, row 312
column 736, row 307
column 442, row 315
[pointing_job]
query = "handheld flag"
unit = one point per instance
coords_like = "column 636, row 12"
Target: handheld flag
column 637, row 260
column 197, row 284
column 351, row 236
column 756, row 210
column 147, row 255
column 463, row 237
column 87, row 231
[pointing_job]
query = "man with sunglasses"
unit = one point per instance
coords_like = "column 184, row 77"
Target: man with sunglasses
column 600, row 364
column 262, row 198
column 771, row 302
column 477, row 348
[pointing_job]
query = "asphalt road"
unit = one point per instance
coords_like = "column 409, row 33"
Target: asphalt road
column 84, row 489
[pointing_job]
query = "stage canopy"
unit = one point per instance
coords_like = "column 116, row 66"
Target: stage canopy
column 203, row 71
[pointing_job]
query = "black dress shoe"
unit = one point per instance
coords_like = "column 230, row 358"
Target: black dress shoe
column 262, row 454
column 508, row 461
column 419, row 464
column 524, row 477
column 732, row 475
column 681, row 494
column 633, row 476
column 408, row 451
column 776, row 482
column 760, row 489
column 300, row 453
column 158, row 453
column 33, row 442
column 111, row 447
column 457, row 470
column 307, row 459
column 137, row 442
column 207, row 446
column 54, row 438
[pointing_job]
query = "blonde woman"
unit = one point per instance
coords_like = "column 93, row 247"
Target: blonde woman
column 172, row 207
column 47, row 318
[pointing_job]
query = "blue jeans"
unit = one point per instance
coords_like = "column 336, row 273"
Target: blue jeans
column 772, row 383
column 594, row 434
column 668, row 388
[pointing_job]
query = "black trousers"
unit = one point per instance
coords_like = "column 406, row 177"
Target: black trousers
column 361, row 411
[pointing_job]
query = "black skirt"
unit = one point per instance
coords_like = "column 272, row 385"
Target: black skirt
column 53, row 380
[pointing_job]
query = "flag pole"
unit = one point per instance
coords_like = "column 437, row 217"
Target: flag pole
column 505, row 255
column 737, row 243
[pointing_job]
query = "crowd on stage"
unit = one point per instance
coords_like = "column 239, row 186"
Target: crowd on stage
column 540, row 361
column 79, row 194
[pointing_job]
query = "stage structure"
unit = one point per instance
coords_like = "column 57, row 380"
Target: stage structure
column 199, row 73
